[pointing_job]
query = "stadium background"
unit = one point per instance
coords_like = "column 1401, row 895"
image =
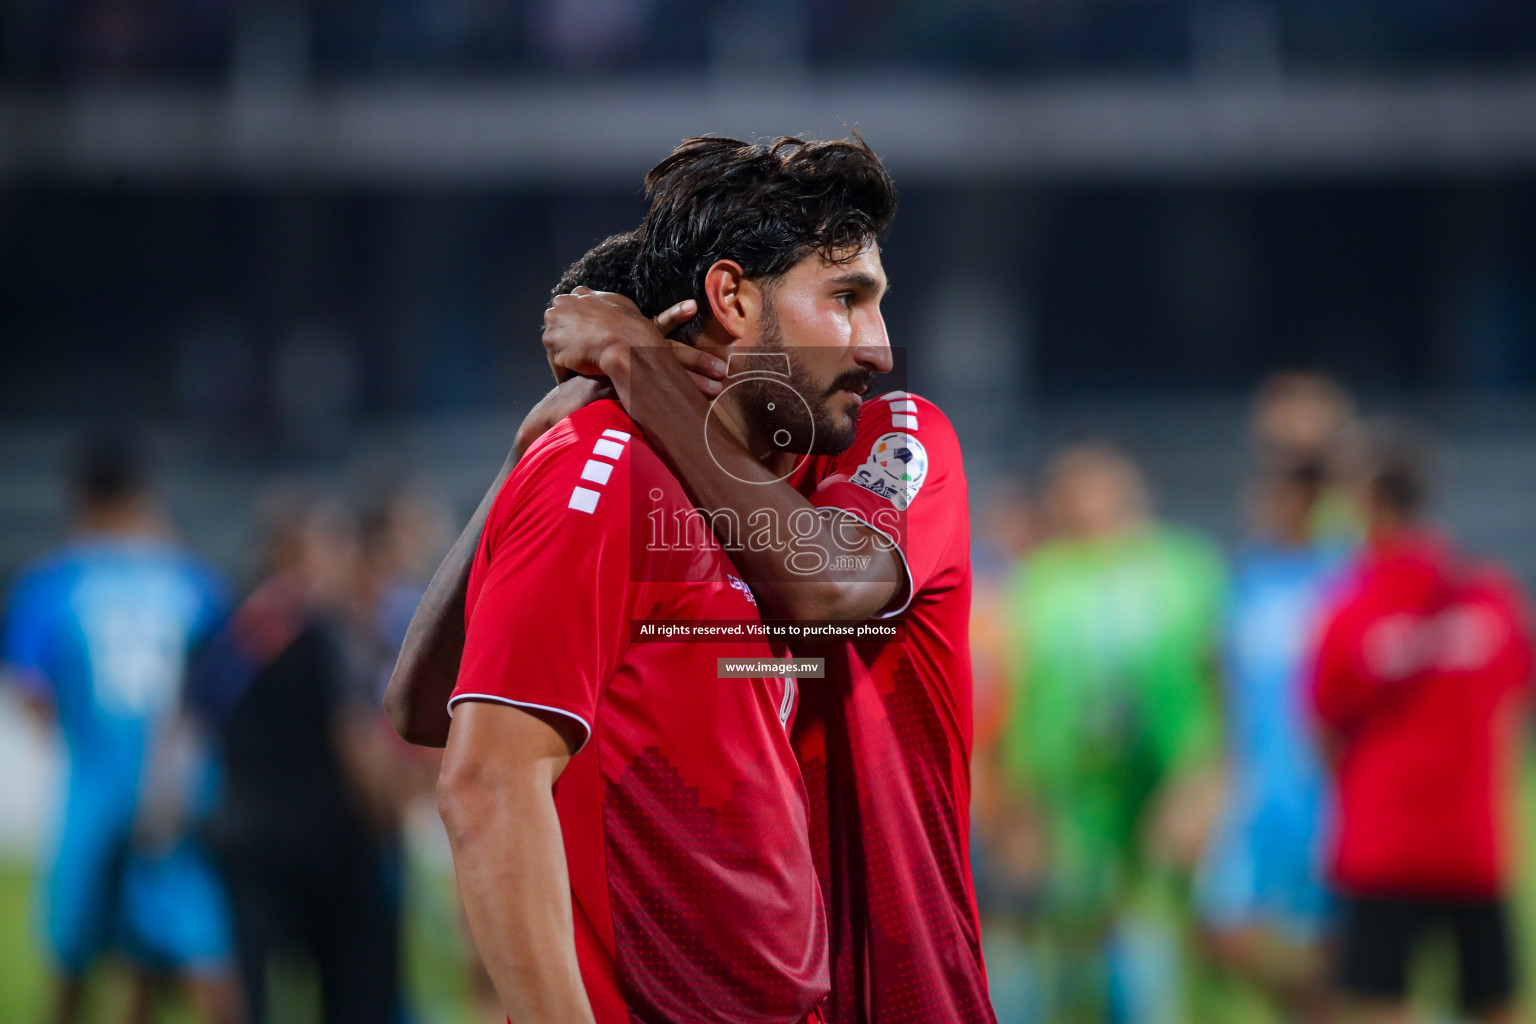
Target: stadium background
column 311, row 240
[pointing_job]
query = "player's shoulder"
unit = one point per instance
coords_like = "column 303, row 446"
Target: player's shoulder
column 170, row 556
column 1493, row 583
column 902, row 441
column 206, row 581
column 46, row 575
column 1179, row 539
column 1259, row 559
column 581, row 430
column 1189, row 548
column 151, row 559
column 1352, row 593
column 1050, row 561
column 576, row 464
column 906, row 412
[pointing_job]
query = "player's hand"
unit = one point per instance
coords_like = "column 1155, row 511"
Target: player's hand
column 1183, row 816
column 590, row 333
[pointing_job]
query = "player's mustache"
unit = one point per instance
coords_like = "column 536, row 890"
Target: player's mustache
column 857, row 381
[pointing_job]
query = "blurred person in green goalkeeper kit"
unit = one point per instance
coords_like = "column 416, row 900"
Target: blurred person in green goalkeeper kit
column 1112, row 734
column 97, row 636
column 1420, row 690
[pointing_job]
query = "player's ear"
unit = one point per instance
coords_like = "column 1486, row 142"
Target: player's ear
column 733, row 301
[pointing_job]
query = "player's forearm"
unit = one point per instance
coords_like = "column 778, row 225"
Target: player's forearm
column 428, row 666
column 801, row 575
column 416, row 698
column 510, row 862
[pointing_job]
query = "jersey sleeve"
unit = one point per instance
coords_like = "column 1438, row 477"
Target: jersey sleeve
column 28, row 638
column 548, row 625
column 1525, row 643
column 1520, row 647
column 902, row 477
column 1335, row 689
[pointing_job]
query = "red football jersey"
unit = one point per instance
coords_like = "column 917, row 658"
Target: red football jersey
column 1418, row 675
column 683, row 813
column 885, row 739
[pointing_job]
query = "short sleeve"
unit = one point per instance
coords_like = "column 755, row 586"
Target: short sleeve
column 903, row 477
column 1515, row 607
column 548, row 623
column 1524, row 642
column 30, row 623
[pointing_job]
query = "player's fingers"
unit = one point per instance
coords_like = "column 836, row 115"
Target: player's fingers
column 699, row 362
column 708, row 385
column 671, row 319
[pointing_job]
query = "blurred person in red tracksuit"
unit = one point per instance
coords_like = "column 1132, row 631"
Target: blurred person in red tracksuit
column 1420, row 681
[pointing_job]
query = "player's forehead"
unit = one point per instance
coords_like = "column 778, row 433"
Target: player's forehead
column 858, row 267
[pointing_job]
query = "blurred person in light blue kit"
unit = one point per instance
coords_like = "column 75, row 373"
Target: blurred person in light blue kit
column 1261, row 895
column 97, row 636
column 1298, row 417
column 1262, row 898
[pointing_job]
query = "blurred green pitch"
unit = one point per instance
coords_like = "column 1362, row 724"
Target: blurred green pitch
column 438, row 985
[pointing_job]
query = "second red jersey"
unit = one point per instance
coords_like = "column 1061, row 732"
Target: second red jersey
column 1418, row 679
column 683, row 814
column 885, row 739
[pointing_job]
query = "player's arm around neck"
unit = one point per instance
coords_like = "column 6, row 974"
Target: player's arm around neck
column 603, row 333
column 725, row 476
column 496, row 798
column 416, row 698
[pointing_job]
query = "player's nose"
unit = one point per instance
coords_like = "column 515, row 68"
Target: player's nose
column 873, row 347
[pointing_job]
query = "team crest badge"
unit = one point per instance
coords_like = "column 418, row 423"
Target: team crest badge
column 895, row 470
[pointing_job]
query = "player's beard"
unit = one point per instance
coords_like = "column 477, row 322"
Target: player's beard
column 827, row 434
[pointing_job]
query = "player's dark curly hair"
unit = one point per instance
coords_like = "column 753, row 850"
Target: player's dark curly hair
column 766, row 205
column 609, row 266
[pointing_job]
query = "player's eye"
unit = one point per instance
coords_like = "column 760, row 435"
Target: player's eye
column 844, row 299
